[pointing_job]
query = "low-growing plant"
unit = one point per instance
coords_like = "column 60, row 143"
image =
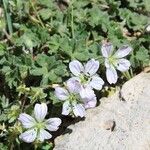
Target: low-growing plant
column 59, row 57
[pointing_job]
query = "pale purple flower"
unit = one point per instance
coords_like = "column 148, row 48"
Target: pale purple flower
column 88, row 96
column 115, row 61
column 70, row 96
column 75, row 101
column 38, row 125
column 86, row 74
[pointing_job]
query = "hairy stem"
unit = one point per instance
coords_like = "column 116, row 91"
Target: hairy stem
column 8, row 17
column 72, row 22
column 127, row 75
column 38, row 17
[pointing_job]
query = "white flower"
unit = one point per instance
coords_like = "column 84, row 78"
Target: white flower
column 70, row 96
column 76, row 99
column 37, row 126
column 86, row 74
column 115, row 61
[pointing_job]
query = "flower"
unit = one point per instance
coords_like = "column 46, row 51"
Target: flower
column 74, row 103
column 37, row 126
column 115, row 61
column 86, row 74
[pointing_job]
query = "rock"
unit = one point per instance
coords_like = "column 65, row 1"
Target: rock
column 131, row 118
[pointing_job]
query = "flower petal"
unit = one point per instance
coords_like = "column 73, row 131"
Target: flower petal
column 40, row 111
column 73, row 85
column 89, row 98
column 107, row 64
column 90, row 103
column 29, row 135
column 44, row 135
column 111, row 75
column 66, row 108
column 123, row 65
column 79, row 110
column 86, row 92
column 96, row 82
column 91, row 67
column 123, row 51
column 76, row 67
column 26, row 120
column 107, row 49
column 52, row 124
column 61, row 93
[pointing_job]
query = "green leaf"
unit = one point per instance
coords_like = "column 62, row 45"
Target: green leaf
column 143, row 56
column 49, row 68
column 45, row 13
column 2, row 49
column 37, row 93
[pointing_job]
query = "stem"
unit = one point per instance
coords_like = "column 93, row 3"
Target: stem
column 8, row 18
column 35, row 147
column 7, row 35
column 127, row 75
column 40, row 21
column 23, row 101
column 33, row 19
column 72, row 22
column 12, row 146
column 131, row 72
column 92, row 41
column 86, row 41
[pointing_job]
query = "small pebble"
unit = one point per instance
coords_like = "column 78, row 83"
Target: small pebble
column 109, row 125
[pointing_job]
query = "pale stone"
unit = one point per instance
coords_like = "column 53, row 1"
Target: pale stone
column 131, row 118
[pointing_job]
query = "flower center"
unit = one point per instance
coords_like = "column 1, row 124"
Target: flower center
column 112, row 61
column 84, row 79
column 74, row 98
column 40, row 125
